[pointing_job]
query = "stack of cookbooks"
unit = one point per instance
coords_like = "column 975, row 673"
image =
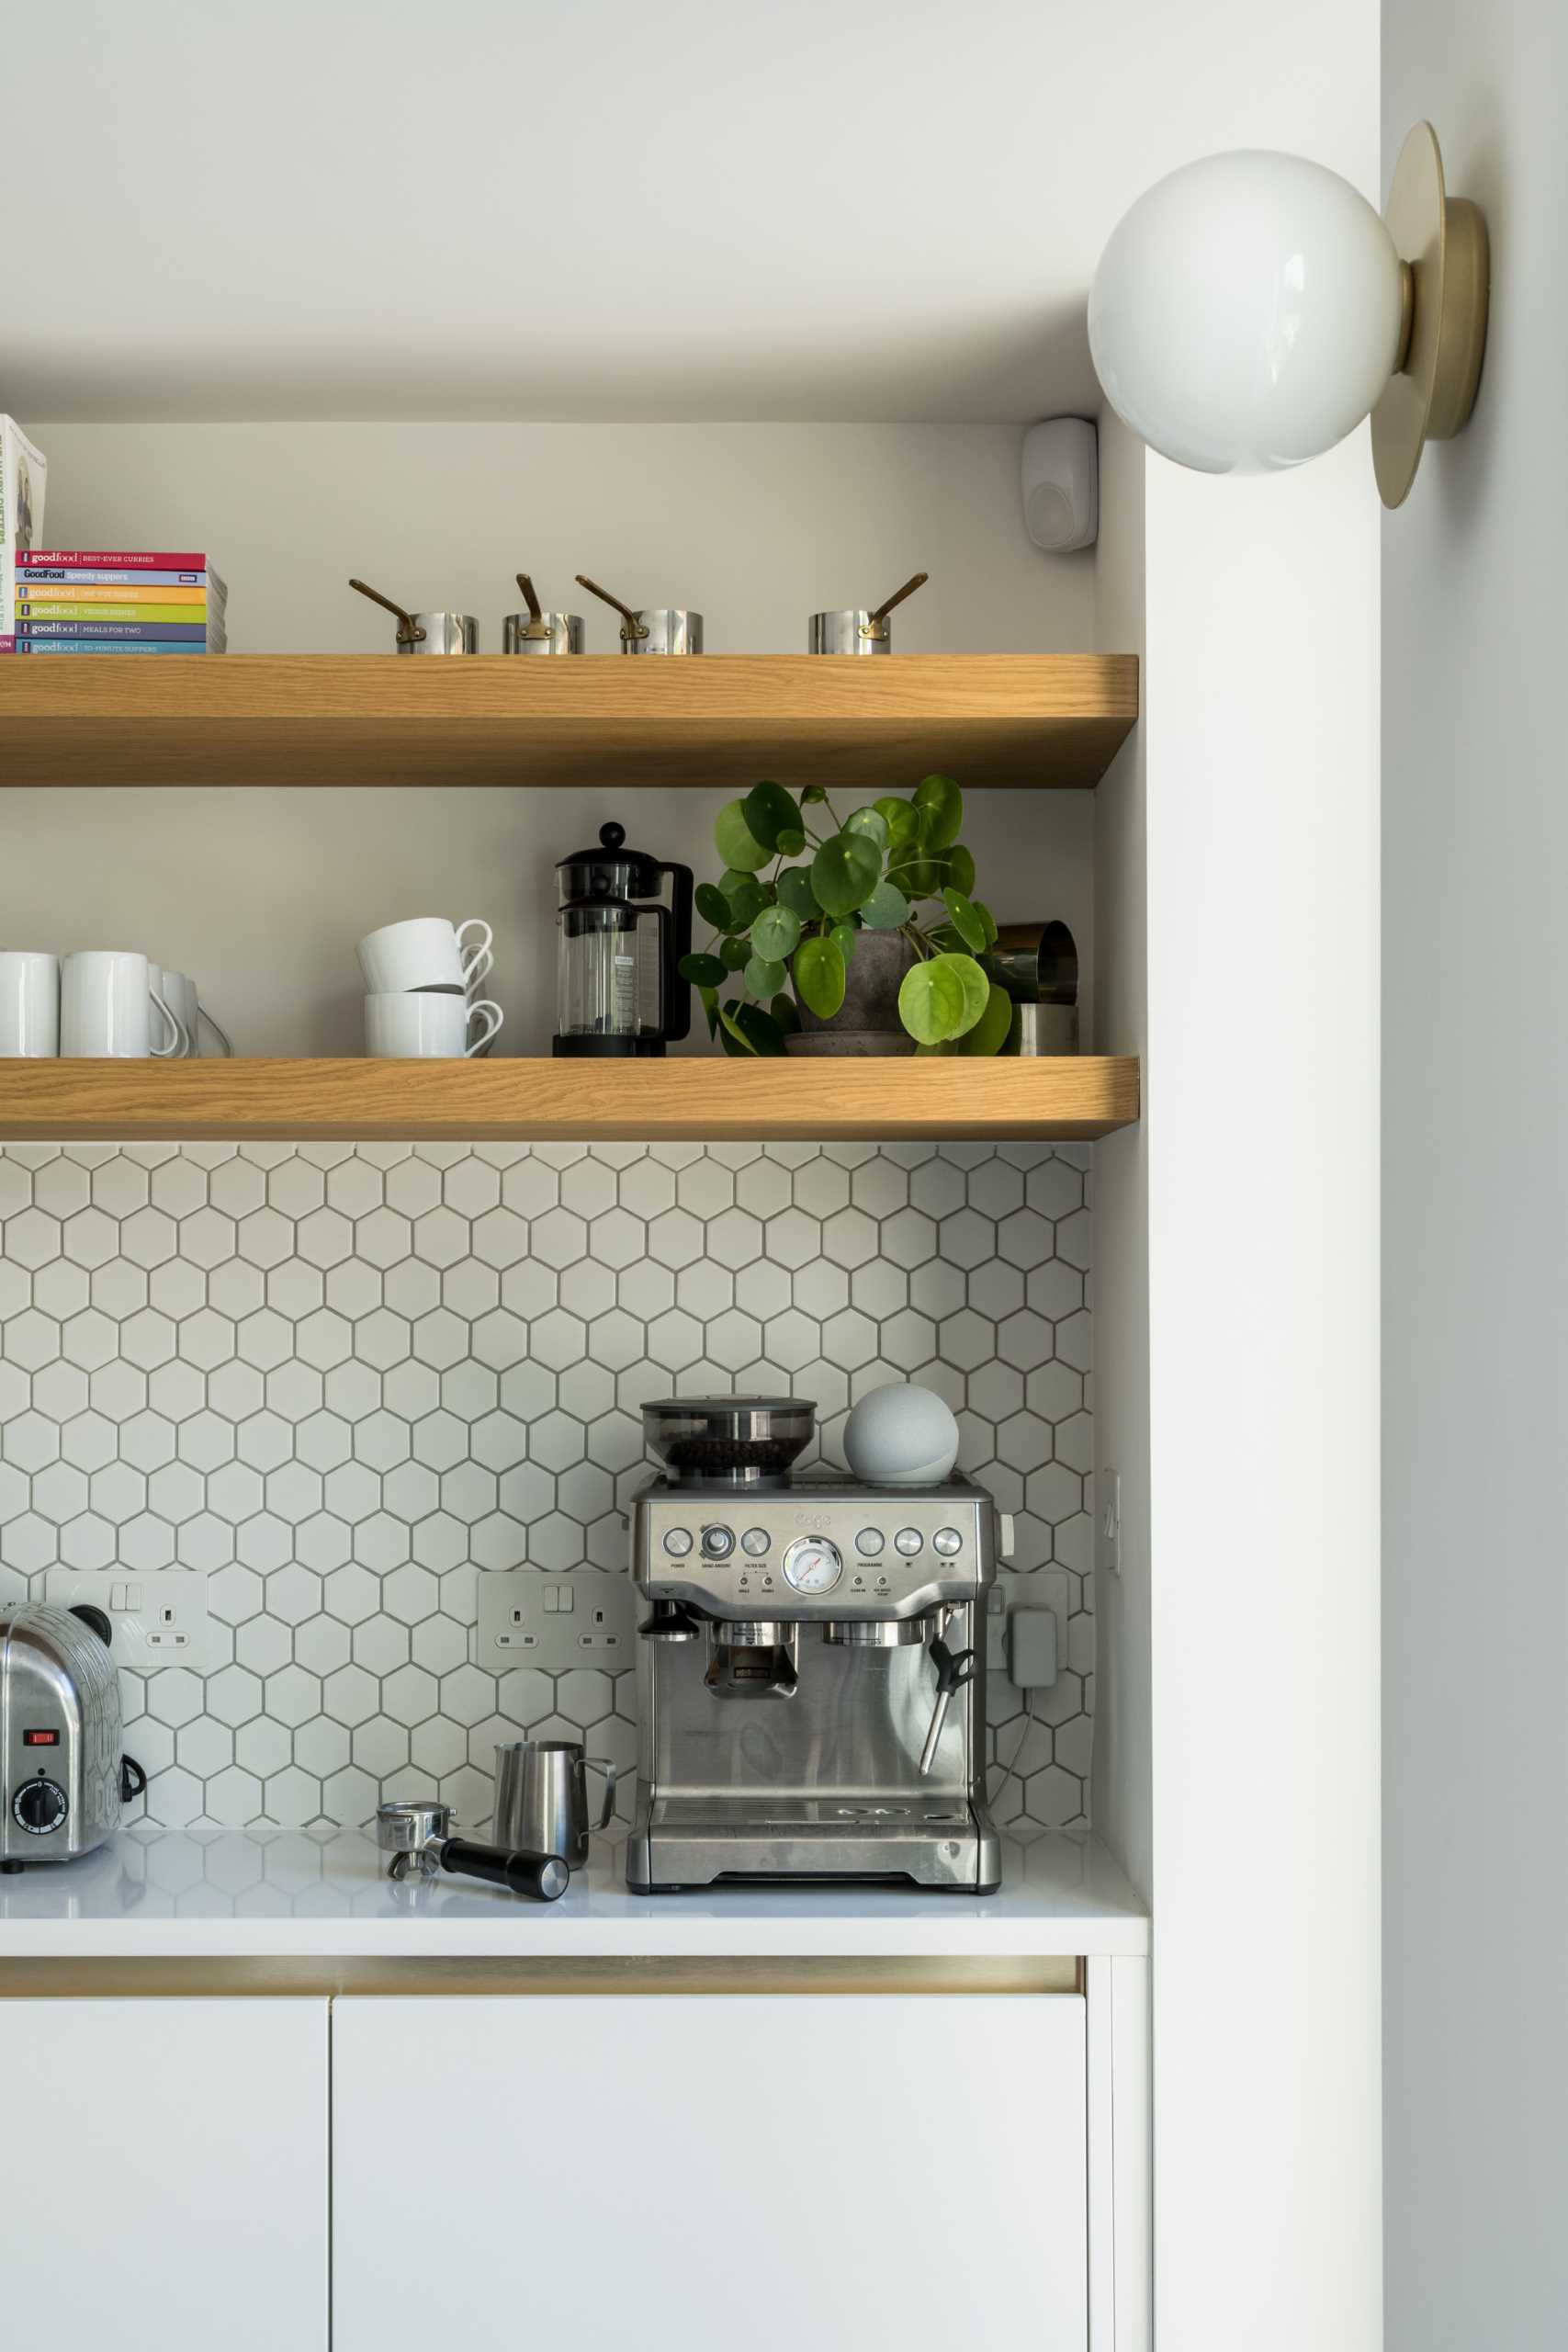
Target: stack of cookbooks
column 77, row 600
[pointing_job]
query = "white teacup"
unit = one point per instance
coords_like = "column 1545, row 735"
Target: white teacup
column 107, row 1007
column 421, row 1025
column 29, row 1005
column 427, row 952
column 180, row 995
column 167, row 1026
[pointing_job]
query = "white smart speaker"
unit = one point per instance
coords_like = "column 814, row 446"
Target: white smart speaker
column 1061, row 484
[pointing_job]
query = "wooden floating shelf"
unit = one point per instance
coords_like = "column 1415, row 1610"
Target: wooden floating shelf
column 688, row 1097
column 721, row 721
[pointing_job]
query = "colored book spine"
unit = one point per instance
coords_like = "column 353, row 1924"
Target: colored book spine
column 171, row 587
column 111, row 560
column 40, row 646
column 64, row 608
column 117, row 632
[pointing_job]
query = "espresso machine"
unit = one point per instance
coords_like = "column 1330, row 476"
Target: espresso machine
column 811, row 1672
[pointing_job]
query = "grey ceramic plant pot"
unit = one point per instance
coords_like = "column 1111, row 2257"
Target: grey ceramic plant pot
column 867, row 1022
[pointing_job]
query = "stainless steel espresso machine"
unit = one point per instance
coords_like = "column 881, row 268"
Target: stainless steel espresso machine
column 811, row 1674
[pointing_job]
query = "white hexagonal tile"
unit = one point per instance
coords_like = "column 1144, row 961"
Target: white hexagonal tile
column 30, row 1543
column 439, row 1645
column 32, row 1239
column 323, row 1542
column 60, row 1391
column 381, row 1646
column 321, row 1645
column 31, row 1340
column 92, row 1542
column 116, row 1492
column 89, row 1340
column 206, row 1745
column 265, row 1645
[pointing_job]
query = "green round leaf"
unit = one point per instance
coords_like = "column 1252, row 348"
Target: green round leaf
column 931, row 1002
column 747, row 898
column 918, row 878
column 843, row 935
column 738, row 845
column 746, row 1030
column 989, row 1034
column 764, row 977
column 872, row 823
column 767, row 811
column 713, row 906
column 819, row 976
column 885, row 909
column 989, row 921
column 786, row 1013
column 703, row 971
column 812, row 796
column 735, row 955
column 776, row 934
column 943, row 804
column 796, row 893
column 960, row 869
column 844, row 873
column 710, row 1006
column 792, row 841
column 976, row 986
column 965, row 921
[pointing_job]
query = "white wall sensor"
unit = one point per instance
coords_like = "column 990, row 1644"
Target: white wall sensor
column 1061, row 483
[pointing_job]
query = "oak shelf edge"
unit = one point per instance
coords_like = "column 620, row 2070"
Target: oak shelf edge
column 686, row 1098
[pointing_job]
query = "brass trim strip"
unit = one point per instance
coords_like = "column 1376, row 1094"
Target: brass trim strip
column 325, row 1977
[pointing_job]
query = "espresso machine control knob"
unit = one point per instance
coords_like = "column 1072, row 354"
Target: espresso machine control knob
column 812, row 1564
column 909, row 1540
column 948, row 1542
column 718, row 1542
column 677, row 1543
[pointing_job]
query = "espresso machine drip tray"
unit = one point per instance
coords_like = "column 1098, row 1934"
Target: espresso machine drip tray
column 704, row 1840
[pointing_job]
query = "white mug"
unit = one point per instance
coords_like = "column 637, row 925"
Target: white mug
column 426, row 952
column 412, row 1026
column 29, row 1005
column 106, row 1007
column 180, row 994
column 167, row 1026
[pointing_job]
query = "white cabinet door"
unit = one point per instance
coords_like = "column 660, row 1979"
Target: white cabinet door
column 164, row 2175
column 688, row 2173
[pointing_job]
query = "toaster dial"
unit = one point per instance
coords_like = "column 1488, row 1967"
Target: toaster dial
column 40, row 1806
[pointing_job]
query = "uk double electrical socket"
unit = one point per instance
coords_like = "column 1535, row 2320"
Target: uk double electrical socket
column 576, row 1617
column 159, row 1619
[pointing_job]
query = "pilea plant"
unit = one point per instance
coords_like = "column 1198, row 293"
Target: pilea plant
column 875, row 869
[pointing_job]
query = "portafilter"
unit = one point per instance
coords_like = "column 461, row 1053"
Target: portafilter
column 415, row 1833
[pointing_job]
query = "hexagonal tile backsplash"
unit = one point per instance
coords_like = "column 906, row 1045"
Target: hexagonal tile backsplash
column 347, row 1380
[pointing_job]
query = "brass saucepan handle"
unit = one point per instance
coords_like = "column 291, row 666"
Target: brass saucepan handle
column 408, row 631
column 875, row 624
column 633, row 626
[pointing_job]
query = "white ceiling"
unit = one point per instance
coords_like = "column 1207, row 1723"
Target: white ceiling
column 530, row 208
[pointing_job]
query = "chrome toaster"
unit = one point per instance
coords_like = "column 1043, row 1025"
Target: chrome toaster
column 62, row 1777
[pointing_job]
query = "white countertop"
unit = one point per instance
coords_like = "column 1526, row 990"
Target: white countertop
column 239, row 1894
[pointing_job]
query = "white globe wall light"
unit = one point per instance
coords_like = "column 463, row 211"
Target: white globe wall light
column 1251, row 308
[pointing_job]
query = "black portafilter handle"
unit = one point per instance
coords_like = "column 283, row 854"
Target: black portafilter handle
column 544, row 1876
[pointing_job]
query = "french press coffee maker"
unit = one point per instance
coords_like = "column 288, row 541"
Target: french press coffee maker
column 620, row 985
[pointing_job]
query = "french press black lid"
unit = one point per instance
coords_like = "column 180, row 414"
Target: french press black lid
column 604, row 895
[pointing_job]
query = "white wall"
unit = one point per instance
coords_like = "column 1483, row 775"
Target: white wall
column 1122, row 1768
column 1261, row 1109
column 1475, row 1292
column 261, row 894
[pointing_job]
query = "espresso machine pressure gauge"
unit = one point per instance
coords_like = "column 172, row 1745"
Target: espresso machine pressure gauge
column 813, row 1565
